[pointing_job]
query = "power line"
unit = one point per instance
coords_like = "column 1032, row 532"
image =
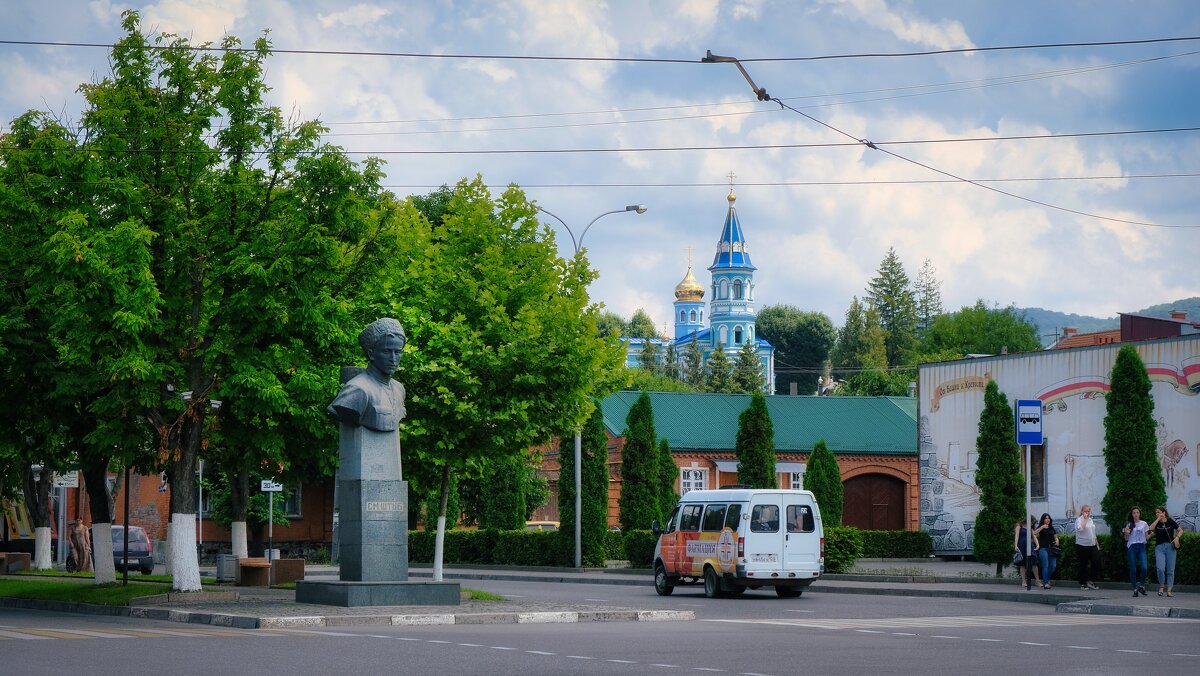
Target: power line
column 610, row 59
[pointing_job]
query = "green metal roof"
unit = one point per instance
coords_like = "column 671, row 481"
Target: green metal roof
column 709, row 422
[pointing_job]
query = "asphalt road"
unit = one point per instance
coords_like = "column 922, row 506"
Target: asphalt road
column 816, row 634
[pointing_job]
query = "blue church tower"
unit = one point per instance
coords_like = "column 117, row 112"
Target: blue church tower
column 731, row 311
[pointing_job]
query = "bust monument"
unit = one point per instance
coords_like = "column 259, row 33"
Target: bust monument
column 371, row 398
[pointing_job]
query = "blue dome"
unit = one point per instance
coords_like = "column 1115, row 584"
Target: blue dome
column 732, row 251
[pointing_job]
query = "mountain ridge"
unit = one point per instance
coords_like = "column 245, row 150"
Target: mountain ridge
column 1050, row 323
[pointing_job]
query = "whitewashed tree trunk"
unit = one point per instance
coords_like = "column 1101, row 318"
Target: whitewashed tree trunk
column 102, row 551
column 42, row 558
column 237, row 534
column 437, row 548
column 185, row 567
column 169, row 569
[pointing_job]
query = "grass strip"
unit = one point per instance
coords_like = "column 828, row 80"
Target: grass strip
column 75, row 592
column 91, row 576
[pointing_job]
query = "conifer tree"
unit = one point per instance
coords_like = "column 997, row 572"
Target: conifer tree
column 748, row 370
column 1131, row 463
column 860, row 343
column 693, row 365
column 640, row 469
column 755, row 445
column 650, row 357
column 668, row 472
column 594, row 480
column 823, row 477
column 504, row 506
column 671, row 362
column 889, row 293
column 927, row 292
column 998, row 476
column 720, row 376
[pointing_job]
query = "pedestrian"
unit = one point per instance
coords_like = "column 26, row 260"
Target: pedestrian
column 1028, row 564
column 81, row 547
column 1047, row 539
column 1135, row 532
column 1166, row 541
column 1087, row 548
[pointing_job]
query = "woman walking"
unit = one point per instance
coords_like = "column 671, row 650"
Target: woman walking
column 1135, row 533
column 1166, row 541
column 1086, row 549
column 1047, row 539
column 1028, row 565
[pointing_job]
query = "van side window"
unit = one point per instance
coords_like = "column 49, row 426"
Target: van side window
column 714, row 518
column 733, row 516
column 672, row 520
column 764, row 519
column 800, row 519
column 689, row 520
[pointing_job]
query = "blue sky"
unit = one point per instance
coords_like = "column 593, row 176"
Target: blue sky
column 818, row 220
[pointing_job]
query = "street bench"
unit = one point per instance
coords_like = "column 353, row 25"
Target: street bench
column 253, row 572
column 11, row 562
column 287, row 570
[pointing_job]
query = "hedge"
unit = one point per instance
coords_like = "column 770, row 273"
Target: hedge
column 843, row 546
column 896, row 544
column 1116, row 569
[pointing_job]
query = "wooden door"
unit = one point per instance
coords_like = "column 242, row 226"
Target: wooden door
column 873, row 502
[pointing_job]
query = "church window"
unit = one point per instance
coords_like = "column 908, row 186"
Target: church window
column 737, row 336
column 682, row 316
column 723, row 292
column 702, row 316
column 737, row 289
column 724, row 335
column 692, row 316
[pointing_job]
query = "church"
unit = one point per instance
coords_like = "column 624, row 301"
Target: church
column 731, row 312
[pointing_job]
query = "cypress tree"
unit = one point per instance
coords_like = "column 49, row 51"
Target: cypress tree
column 640, row 473
column 998, row 475
column 651, row 357
column 823, row 477
column 504, row 505
column 1131, row 463
column 671, row 362
column 755, row 445
column 594, row 452
column 720, row 378
column 693, row 365
column 748, row 370
column 668, row 472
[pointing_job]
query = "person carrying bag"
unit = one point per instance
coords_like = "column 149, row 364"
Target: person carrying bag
column 1087, row 549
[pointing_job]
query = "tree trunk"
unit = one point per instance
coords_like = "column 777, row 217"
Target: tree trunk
column 185, row 566
column 100, row 500
column 440, row 539
column 37, row 502
column 181, row 534
column 239, row 497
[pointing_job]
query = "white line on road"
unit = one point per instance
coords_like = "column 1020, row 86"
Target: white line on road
column 1032, row 643
column 579, row 657
column 430, row 640
column 1082, row 647
column 868, row 631
column 501, row 647
column 709, row 669
column 941, row 636
column 467, row 645
column 666, row 666
column 538, row 652
column 398, row 638
column 621, row 661
column 1138, row 652
column 989, row 640
column 24, row 637
column 600, row 600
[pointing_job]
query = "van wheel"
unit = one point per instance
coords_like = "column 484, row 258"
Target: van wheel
column 788, row 592
column 712, row 584
column 662, row 582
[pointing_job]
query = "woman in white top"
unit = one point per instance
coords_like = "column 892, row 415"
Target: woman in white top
column 1135, row 550
column 1086, row 549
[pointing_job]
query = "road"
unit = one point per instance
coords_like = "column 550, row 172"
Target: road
column 818, row 634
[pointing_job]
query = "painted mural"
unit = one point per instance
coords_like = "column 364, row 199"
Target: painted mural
column 1071, row 384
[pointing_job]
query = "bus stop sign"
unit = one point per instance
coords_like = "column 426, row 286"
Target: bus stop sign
column 1029, row 422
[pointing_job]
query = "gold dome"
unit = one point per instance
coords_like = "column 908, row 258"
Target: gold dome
column 732, row 197
column 689, row 289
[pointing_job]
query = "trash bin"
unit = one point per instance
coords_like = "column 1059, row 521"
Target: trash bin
column 272, row 554
column 226, row 567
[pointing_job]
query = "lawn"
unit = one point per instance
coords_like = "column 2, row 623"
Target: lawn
column 77, row 592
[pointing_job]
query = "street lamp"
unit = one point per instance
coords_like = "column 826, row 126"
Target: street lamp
column 578, row 244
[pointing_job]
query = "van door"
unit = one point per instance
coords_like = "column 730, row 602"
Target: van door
column 764, row 541
column 803, row 545
column 670, row 543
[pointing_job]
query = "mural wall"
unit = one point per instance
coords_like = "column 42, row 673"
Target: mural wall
column 1071, row 384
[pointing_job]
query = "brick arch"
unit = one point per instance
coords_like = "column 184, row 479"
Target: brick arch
column 877, row 469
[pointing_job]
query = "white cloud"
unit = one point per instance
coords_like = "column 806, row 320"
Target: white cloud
column 105, row 12
column 944, row 34
column 198, row 20
column 355, row 16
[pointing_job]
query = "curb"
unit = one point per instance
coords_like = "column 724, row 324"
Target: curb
column 1016, row 597
column 1130, row 611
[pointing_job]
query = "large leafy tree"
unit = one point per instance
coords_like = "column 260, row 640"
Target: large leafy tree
column 748, row 370
column 1131, row 464
column 719, row 377
column 502, row 349
column 979, row 329
column 998, row 476
column 823, row 477
column 755, row 445
column 594, row 489
column 641, row 472
column 890, row 293
column 802, row 341
column 640, row 326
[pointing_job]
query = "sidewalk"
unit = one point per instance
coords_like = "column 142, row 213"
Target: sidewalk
column 257, row 607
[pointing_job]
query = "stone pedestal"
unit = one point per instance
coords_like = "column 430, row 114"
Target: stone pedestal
column 353, row 594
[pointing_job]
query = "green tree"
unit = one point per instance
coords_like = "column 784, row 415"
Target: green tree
column 503, row 349
column 998, row 476
column 879, row 383
column 594, row 493
column 502, row 483
column 860, row 343
column 890, row 294
column 823, row 477
column 640, row 326
column 802, row 340
column 641, row 379
column 671, row 362
column 640, row 469
column 719, row 377
column 1131, row 463
column 693, row 365
column 651, row 357
column 748, row 370
column 609, row 322
column 755, row 445
column 668, row 474
column 927, row 293
column 980, row 329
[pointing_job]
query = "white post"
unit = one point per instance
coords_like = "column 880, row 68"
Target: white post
column 270, row 533
column 578, row 498
column 200, row 512
column 61, row 513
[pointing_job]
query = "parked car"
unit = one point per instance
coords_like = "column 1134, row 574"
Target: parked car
column 141, row 552
column 541, row 525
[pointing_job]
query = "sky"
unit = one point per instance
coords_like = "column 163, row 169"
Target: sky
column 635, row 117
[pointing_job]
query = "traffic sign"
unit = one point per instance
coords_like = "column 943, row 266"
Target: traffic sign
column 269, row 486
column 1029, row 422
column 66, row 480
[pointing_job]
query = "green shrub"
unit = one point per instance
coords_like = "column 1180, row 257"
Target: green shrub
column 1116, row 569
column 531, row 548
column 614, row 545
column 639, row 547
column 420, row 545
column 896, row 544
column 843, row 546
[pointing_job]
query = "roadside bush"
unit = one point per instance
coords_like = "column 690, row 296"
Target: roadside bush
column 469, row 546
column 896, row 544
column 532, row 548
column 843, row 546
column 1115, row 569
column 420, row 546
column 614, row 545
column 639, row 547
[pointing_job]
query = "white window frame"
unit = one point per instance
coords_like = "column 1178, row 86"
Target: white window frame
column 796, row 480
column 692, row 479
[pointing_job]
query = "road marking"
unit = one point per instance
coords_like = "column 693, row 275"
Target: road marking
column 940, row 636
column 1032, row 643
column 93, row 634
column 538, row 652
column 579, row 657
column 1082, row 647
column 709, row 669
column 406, row 638
column 501, row 647
column 621, row 661
column 471, row 645
column 1183, row 655
column 430, row 640
column 1138, row 652
column 1055, row 620
column 799, row 611
column 666, row 666
column 23, row 637
column 868, row 631
column 600, row 600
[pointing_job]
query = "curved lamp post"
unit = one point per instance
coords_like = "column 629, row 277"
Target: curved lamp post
column 578, row 244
